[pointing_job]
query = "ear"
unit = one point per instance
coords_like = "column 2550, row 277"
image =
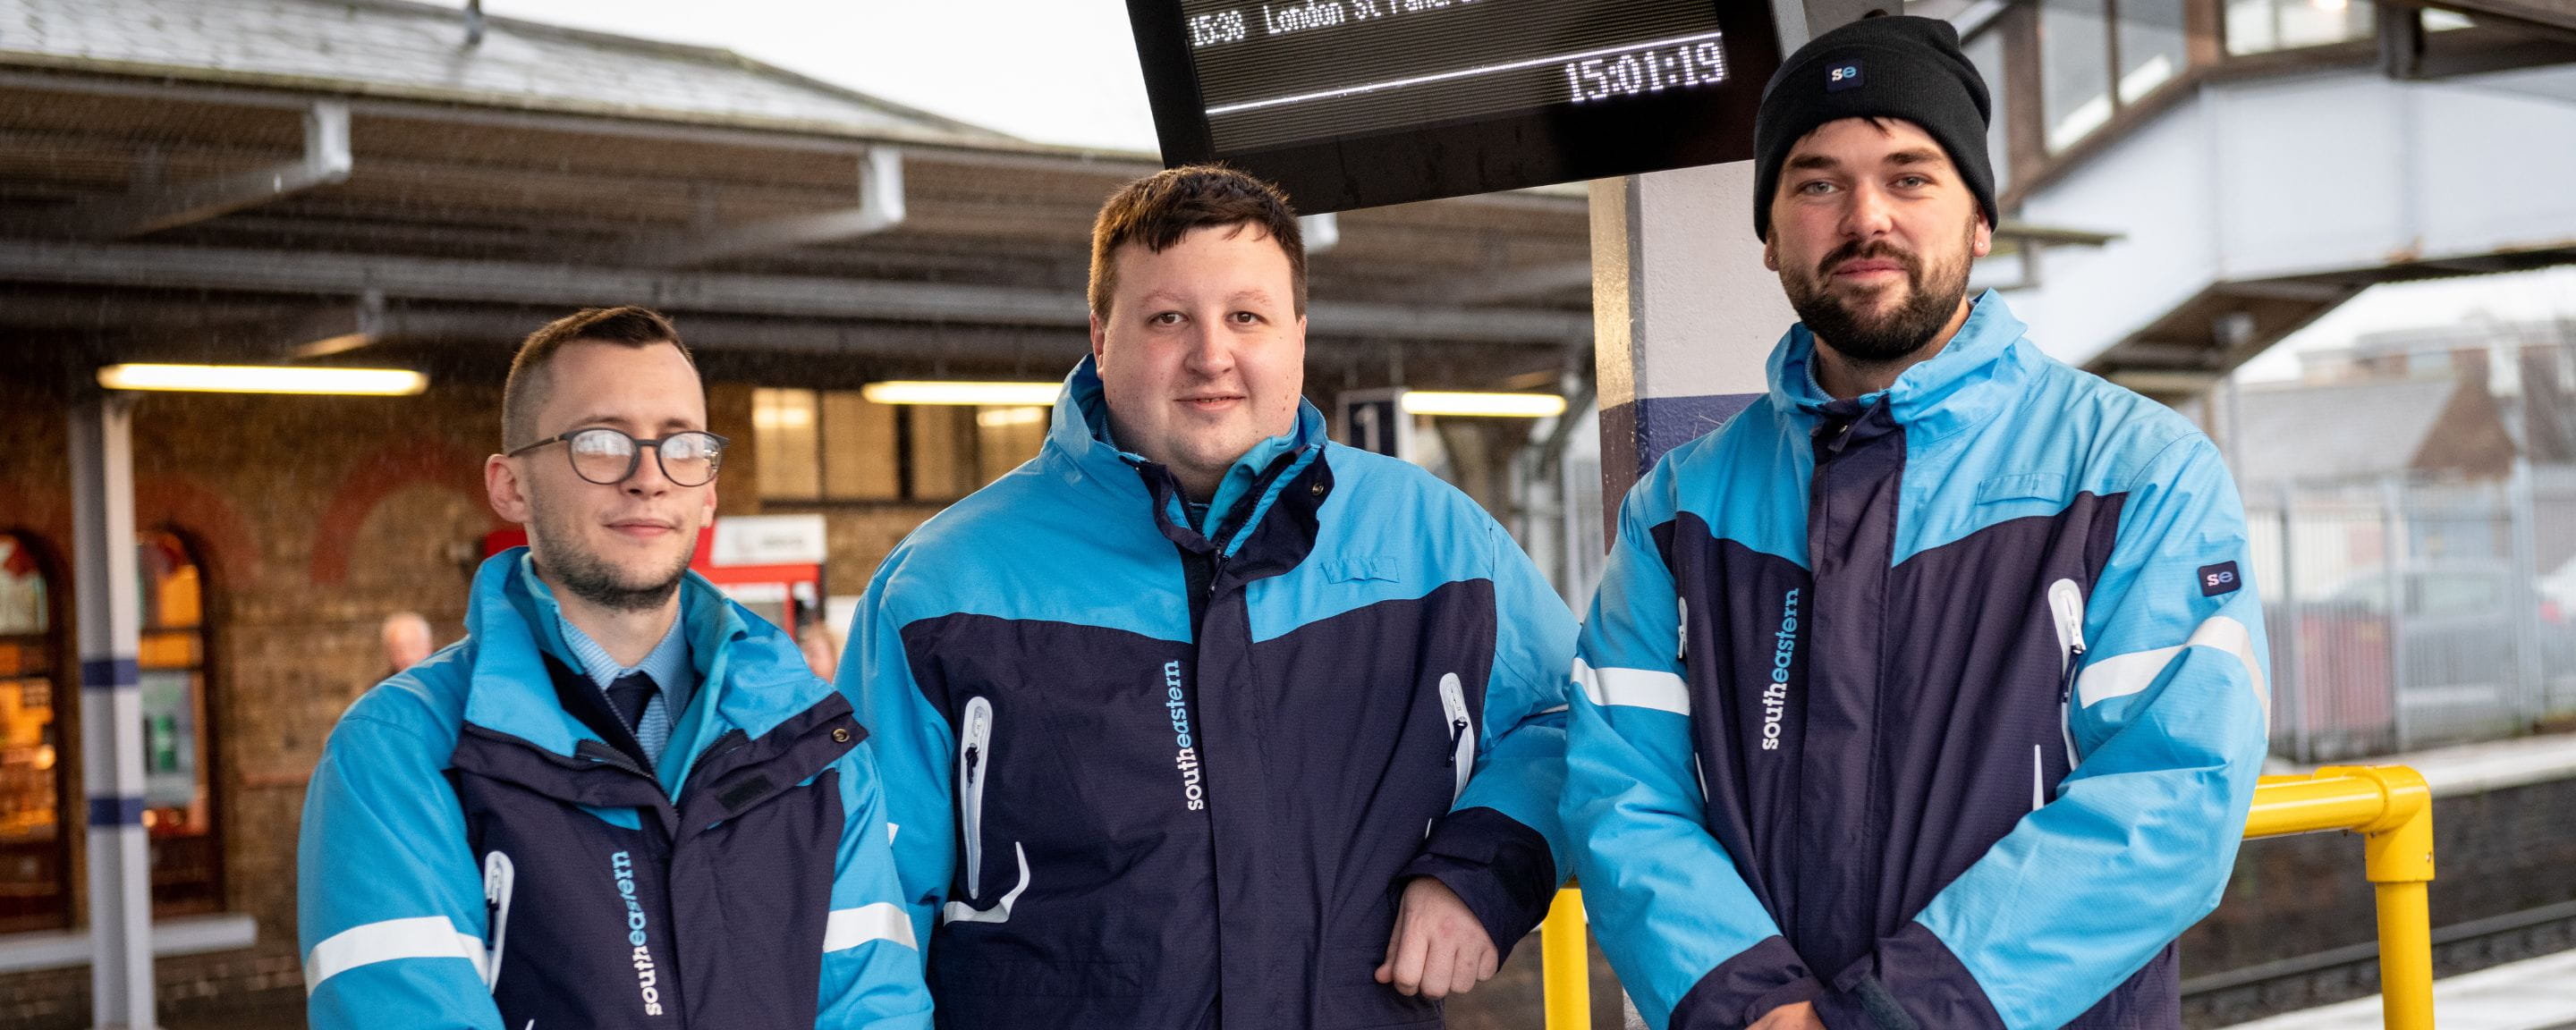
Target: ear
column 504, row 490
column 1984, row 242
column 1099, row 341
column 1771, row 251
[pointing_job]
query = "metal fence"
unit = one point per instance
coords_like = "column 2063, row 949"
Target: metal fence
column 2407, row 613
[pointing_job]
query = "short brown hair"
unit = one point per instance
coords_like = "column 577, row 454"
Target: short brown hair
column 1159, row 209
column 528, row 384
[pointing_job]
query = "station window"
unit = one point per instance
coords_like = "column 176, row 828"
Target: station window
column 35, row 857
column 2098, row 56
column 1986, row 51
column 830, row 445
column 2262, row 26
column 178, row 785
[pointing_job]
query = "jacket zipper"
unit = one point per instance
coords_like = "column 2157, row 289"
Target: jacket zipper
column 974, row 766
column 500, row 878
column 2066, row 603
column 1462, row 733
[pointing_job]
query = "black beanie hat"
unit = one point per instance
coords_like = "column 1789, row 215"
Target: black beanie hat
column 1895, row 66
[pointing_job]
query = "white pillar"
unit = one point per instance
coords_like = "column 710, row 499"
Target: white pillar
column 1683, row 313
column 110, row 611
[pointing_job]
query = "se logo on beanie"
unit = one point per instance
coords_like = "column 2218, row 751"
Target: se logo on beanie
column 1843, row 77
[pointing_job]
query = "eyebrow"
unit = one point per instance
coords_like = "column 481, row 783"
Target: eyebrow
column 1901, row 158
column 622, row 423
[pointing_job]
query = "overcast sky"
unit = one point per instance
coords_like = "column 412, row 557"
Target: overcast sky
column 1064, row 71
column 1059, row 71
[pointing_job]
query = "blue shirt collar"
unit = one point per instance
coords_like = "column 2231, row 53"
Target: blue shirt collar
column 668, row 663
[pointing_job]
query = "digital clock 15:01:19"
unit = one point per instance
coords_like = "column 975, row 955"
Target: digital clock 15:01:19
column 1647, row 70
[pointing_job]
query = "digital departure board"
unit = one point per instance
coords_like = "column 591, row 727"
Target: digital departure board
column 1355, row 103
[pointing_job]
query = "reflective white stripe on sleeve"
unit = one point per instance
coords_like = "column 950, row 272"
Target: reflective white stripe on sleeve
column 1635, row 688
column 850, row 927
column 2125, row 674
column 418, row 937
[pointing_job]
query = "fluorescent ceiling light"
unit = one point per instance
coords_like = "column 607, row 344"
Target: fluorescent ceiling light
column 370, row 382
column 998, row 417
column 1494, row 405
column 922, row 391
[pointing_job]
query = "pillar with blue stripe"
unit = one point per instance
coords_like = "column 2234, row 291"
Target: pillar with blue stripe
column 1683, row 313
column 110, row 621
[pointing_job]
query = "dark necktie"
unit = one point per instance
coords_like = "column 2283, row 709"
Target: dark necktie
column 629, row 694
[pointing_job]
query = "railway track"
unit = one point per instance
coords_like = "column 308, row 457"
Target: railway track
column 2308, row 981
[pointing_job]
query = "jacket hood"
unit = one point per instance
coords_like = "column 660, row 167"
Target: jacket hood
column 1080, row 431
column 1973, row 379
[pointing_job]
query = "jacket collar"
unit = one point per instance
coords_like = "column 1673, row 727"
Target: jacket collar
column 1080, row 433
column 751, row 677
column 1973, row 379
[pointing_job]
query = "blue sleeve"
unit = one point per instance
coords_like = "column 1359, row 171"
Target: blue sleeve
column 911, row 742
column 389, row 904
column 1676, row 918
column 1502, row 847
column 2167, row 718
column 871, row 958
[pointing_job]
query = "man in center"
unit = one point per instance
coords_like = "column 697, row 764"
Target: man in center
column 1197, row 719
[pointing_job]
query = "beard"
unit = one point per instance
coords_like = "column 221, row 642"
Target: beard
column 599, row 581
column 1932, row 297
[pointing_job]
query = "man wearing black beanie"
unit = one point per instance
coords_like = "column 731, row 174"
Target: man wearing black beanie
column 1928, row 692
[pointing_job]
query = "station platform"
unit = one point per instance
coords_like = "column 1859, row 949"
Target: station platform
column 2476, row 768
column 2533, row 994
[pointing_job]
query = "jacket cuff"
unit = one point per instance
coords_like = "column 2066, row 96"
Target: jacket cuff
column 1741, row 990
column 1911, row 982
column 1498, row 866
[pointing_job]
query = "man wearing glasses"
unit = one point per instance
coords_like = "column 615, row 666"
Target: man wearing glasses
column 621, row 800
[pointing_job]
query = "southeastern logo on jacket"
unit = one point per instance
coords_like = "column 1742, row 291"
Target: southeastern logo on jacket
column 1902, row 764
column 1216, row 744
column 1187, row 760
column 624, row 870
column 1775, row 697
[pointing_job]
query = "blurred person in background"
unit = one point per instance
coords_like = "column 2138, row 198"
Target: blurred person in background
column 814, row 640
column 407, row 641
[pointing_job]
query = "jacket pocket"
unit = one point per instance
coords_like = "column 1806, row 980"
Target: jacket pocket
column 500, row 879
column 1462, row 733
column 974, row 762
column 2066, row 610
column 974, row 769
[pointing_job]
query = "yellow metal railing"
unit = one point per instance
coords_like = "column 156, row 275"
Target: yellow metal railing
column 2389, row 805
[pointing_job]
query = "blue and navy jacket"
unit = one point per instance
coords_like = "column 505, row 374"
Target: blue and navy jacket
column 475, row 855
column 1157, row 773
column 1940, row 707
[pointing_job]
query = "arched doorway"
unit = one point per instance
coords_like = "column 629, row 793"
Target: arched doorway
column 35, row 847
column 178, row 756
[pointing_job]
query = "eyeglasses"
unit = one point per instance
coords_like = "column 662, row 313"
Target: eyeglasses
column 608, row 457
